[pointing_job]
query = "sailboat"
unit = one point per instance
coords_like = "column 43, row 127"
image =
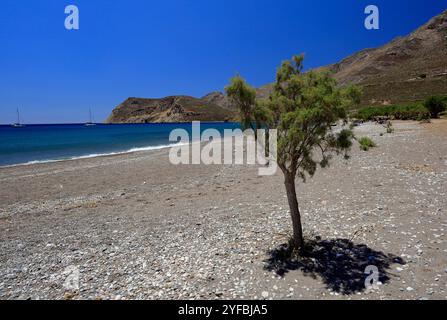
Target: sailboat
column 17, row 124
column 90, row 123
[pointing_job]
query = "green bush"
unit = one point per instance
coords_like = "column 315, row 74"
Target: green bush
column 412, row 111
column 366, row 143
column 435, row 105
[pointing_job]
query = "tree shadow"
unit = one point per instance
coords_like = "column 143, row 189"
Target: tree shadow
column 340, row 263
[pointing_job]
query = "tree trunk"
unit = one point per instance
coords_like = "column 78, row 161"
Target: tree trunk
column 294, row 210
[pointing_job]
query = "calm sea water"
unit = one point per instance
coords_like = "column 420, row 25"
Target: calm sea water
column 42, row 143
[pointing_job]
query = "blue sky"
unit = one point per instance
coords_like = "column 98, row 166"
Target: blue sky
column 147, row 48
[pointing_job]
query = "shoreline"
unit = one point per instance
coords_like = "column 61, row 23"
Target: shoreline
column 92, row 156
column 110, row 154
column 130, row 149
column 138, row 227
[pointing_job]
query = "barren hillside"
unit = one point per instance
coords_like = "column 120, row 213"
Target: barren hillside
column 407, row 69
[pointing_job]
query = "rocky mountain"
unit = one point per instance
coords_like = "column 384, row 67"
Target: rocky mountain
column 212, row 107
column 407, row 69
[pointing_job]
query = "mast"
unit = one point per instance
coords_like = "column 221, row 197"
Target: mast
column 18, row 116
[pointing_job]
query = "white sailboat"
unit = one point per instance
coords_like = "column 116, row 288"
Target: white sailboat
column 17, row 124
column 90, row 123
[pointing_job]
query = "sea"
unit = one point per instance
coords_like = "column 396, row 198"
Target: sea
column 56, row 142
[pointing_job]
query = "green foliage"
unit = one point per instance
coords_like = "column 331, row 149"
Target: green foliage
column 366, row 143
column 412, row 111
column 435, row 105
column 244, row 97
column 302, row 107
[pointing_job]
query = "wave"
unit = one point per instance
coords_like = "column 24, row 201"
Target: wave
column 96, row 155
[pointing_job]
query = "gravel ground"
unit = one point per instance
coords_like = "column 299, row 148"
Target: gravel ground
column 136, row 227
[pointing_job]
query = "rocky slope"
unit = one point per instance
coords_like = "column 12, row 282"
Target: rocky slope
column 406, row 69
column 172, row 109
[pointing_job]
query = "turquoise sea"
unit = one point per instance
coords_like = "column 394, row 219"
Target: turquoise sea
column 45, row 143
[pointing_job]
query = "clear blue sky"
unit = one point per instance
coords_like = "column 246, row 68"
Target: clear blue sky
column 157, row 48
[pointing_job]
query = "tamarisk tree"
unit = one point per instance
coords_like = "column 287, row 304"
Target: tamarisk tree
column 302, row 108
